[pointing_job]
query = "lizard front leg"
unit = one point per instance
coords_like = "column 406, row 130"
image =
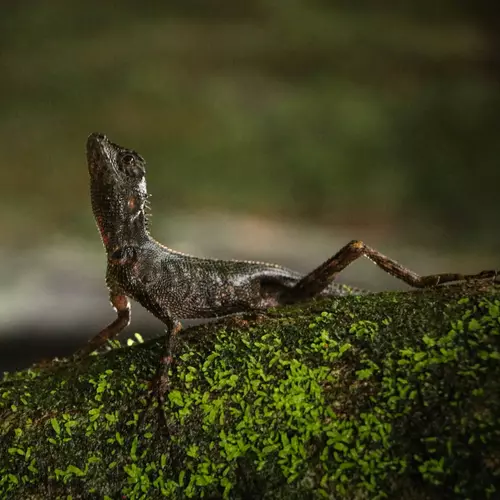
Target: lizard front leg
column 317, row 280
column 161, row 382
column 121, row 304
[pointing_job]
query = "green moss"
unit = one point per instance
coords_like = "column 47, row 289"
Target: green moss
column 390, row 395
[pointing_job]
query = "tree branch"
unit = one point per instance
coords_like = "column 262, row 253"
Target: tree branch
column 391, row 394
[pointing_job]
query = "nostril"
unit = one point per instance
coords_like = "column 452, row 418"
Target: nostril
column 97, row 136
column 96, row 143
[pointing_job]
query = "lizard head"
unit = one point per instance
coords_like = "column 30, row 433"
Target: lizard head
column 117, row 186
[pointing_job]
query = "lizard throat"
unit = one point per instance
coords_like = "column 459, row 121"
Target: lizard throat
column 122, row 229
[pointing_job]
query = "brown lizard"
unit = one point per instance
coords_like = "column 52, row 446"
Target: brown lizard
column 173, row 285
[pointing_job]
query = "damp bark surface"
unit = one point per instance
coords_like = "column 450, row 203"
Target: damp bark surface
column 390, row 395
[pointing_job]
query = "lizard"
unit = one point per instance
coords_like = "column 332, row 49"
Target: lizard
column 173, row 285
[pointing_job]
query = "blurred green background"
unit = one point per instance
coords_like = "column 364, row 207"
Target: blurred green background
column 366, row 120
column 355, row 114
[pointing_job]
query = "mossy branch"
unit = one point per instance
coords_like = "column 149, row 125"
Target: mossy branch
column 388, row 395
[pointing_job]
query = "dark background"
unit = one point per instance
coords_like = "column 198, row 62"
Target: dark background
column 273, row 130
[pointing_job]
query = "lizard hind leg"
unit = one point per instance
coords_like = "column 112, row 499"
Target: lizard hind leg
column 317, row 280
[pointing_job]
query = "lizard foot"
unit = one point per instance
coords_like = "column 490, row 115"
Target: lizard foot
column 159, row 387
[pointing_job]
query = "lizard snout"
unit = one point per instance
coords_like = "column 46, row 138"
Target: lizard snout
column 96, row 138
column 98, row 153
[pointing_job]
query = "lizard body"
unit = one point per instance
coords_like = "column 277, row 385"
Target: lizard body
column 173, row 285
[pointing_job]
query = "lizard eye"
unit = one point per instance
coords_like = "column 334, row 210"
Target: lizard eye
column 131, row 164
column 128, row 159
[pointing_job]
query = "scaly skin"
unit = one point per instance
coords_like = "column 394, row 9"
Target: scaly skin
column 173, row 285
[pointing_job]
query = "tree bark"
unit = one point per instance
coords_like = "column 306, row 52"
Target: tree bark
column 386, row 395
